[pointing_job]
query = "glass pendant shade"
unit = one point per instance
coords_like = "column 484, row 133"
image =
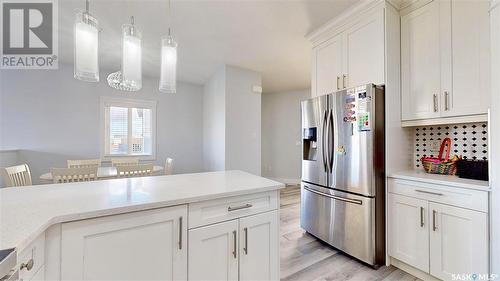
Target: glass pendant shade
column 86, row 48
column 130, row 76
column 168, row 75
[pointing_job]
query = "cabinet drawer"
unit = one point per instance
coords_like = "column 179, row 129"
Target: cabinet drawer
column 456, row 196
column 35, row 254
column 213, row 211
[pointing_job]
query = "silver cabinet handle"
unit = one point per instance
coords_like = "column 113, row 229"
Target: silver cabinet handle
column 180, row 233
column 421, row 216
column 435, row 99
column 434, row 225
column 245, row 248
column 230, row 209
column 338, row 82
column 343, row 81
column 429, row 192
column 234, row 243
column 359, row 202
column 28, row 266
column 446, row 100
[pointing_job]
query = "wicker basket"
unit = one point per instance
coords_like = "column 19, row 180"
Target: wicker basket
column 440, row 165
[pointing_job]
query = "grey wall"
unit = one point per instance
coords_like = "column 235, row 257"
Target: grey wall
column 214, row 123
column 51, row 117
column 281, row 135
column 243, row 115
column 231, row 121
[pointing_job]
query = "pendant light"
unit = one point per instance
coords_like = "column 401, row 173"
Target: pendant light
column 130, row 76
column 168, row 74
column 86, row 46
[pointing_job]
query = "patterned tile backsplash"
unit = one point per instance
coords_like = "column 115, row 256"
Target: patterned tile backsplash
column 467, row 140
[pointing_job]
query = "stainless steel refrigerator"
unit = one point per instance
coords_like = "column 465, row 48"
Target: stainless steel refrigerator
column 343, row 171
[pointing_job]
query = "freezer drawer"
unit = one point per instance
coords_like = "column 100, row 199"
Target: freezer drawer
column 343, row 220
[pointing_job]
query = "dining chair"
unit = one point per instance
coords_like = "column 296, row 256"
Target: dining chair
column 115, row 162
column 65, row 175
column 169, row 166
column 140, row 170
column 19, row 175
column 87, row 163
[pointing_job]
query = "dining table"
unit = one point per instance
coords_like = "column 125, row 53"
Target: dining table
column 102, row 173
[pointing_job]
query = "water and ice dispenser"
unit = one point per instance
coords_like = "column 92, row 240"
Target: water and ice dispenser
column 310, row 144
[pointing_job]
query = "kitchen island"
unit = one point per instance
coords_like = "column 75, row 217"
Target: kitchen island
column 224, row 225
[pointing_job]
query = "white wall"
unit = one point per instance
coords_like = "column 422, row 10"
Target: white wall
column 51, row 117
column 281, row 135
column 495, row 140
column 214, row 114
column 243, row 125
column 231, row 125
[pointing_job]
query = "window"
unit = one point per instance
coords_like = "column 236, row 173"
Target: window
column 128, row 127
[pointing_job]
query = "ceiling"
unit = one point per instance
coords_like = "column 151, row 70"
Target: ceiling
column 264, row 36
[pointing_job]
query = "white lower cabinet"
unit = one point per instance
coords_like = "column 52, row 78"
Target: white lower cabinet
column 240, row 249
column 213, row 252
column 409, row 230
column 147, row 245
column 259, row 247
column 458, row 241
column 428, row 234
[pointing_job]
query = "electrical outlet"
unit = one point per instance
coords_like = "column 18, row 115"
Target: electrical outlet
column 435, row 145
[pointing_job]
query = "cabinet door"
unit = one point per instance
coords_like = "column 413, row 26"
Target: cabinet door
column 148, row 245
column 409, row 230
column 421, row 69
column 327, row 67
column 471, row 59
column 259, row 250
column 213, row 252
column 364, row 51
column 458, row 241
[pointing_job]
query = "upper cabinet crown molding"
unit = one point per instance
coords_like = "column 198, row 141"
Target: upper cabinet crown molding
column 337, row 24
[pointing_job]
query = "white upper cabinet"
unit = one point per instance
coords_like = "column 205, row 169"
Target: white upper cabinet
column 471, row 59
column 458, row 241
column 364, row 51
column 148, row 245
column 420, row 62
column 445, row 60
column 353, row 55
column 327, row 67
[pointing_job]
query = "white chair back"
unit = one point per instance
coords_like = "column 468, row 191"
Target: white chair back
column 19, row 175
column 88, row 163
column 65, row 175
column 130, row 171
column 129, row 161
column 169, row 166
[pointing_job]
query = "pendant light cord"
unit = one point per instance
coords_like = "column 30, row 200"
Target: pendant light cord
column 87, row 6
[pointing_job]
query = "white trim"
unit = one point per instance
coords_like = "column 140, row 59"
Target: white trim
column 106, row 102
column 446, row 120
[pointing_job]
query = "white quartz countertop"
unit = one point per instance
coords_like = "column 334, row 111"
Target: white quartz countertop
column 422, row 176
column 26, row 212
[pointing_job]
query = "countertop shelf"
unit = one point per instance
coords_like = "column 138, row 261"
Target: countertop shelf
column 418, row 175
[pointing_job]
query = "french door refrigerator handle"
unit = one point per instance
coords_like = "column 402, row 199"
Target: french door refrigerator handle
column 331, row 148
column 359, row 202
column 323, row 134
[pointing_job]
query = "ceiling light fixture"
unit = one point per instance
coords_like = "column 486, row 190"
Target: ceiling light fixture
column 168, row 75
column 130, row 76
column 86, row 46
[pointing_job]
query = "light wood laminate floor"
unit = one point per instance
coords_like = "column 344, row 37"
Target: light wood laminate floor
column 304, row 258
